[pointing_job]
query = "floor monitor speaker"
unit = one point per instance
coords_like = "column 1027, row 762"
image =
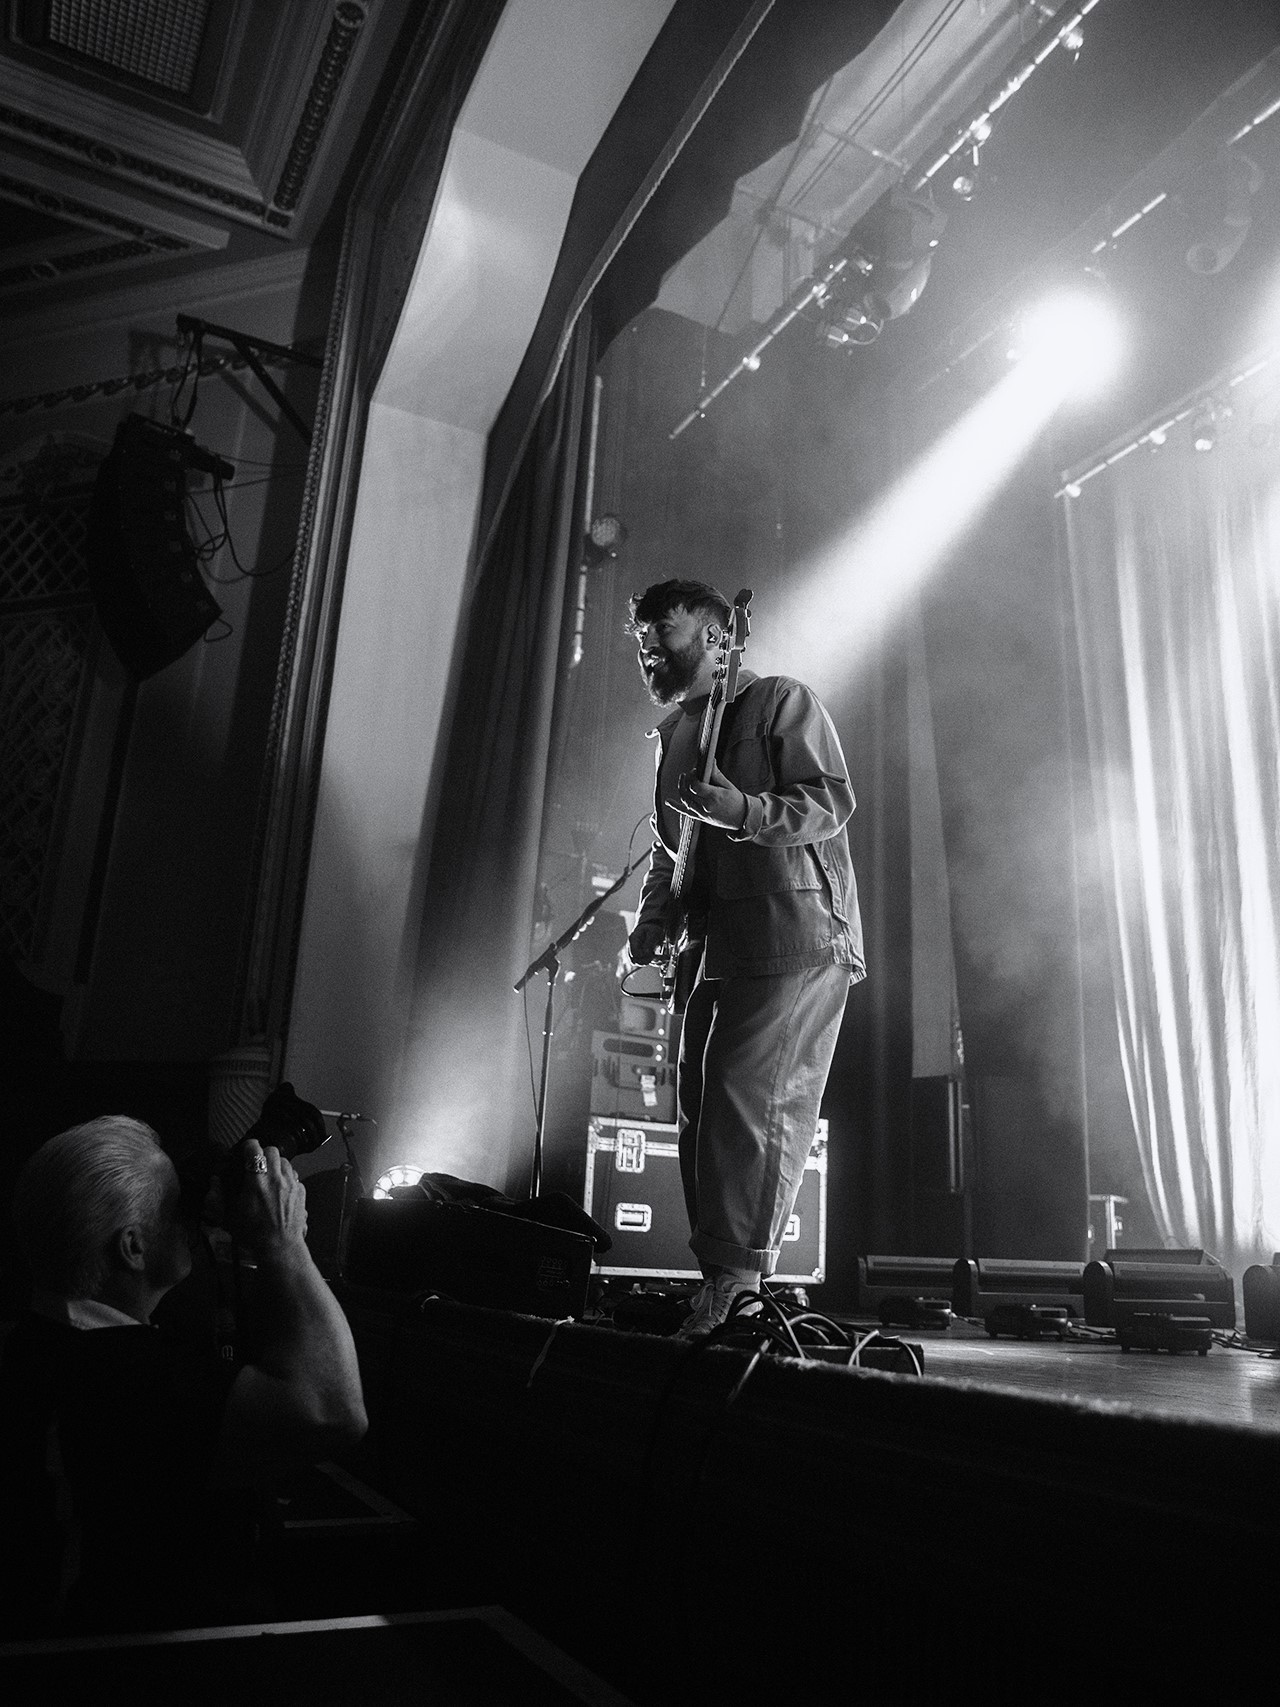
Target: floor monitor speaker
column 471, row 1255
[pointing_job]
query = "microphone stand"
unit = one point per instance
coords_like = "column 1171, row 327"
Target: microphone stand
column 549, row 962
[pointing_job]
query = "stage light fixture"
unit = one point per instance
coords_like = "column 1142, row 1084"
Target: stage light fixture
column 1215, row 204
column 889, row 1282
column 901, row 236
column 601, row 541
column 965, row 182
column 1261, row 1288
column 859, row 324
column 1074, row 339
column 404, row 1173
column 980, row 1284
column 1208, row 423
column 1155, row 1286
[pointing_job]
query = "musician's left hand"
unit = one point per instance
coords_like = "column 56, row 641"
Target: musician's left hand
column 716, row 802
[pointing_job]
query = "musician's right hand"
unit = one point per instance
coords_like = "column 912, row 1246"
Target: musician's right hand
column 645, row 943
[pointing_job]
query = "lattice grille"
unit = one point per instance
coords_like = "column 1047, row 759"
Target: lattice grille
column 156, row 40
column 42, row 551
column 42, row 664
column 43, row 660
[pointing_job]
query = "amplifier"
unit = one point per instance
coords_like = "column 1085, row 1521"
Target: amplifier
column 647, row 1015
column 476, row 1256
column 632, row 1076
column 633, row 1189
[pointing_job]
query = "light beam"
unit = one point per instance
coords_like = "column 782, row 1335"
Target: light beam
column 851, row 594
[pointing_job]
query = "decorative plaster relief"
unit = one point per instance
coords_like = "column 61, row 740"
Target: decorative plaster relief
column 184, row 159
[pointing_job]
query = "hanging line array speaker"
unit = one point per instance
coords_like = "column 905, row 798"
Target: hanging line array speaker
column 146, row 582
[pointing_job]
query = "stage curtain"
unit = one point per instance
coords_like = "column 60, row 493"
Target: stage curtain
column 467, row 1082
column 1173, row 562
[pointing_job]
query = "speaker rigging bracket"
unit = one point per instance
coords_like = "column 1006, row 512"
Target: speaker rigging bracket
column 248, row 347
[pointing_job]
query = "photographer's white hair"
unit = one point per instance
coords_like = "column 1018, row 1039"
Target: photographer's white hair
column 77, row 1192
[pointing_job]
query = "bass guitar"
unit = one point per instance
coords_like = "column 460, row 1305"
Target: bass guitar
column 679, row 960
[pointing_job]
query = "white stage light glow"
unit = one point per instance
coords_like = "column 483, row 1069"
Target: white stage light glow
column 849, row 596
column 404, row 1173
column 856, row 589
column 1074, row 339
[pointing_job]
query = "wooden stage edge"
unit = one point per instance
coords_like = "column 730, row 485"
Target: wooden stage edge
column 963, row 1524
column 1233, row 1384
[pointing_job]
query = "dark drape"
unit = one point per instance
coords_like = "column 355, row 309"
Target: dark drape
column 722, row 89
column 682, row 74
column 466, row 1062
column 998, row 688
column 868, row 1099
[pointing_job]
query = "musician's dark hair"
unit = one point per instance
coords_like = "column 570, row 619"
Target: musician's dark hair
column 697, row 597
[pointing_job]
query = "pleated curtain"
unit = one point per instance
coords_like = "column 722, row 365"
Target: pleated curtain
column 1175, row 570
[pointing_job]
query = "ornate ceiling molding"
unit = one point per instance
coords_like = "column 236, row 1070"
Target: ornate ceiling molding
column 91, row 258
column 254, row 170
column 344, row 31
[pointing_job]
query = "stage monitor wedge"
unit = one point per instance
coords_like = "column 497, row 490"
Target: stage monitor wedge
column 143, row 571
column 471, row 1255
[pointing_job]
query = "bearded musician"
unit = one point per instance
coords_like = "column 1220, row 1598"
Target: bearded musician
column 771, row 915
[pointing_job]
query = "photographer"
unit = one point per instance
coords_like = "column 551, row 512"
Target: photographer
column 145, row 1445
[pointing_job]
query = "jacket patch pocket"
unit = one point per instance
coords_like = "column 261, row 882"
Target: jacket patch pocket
column 763, row 928
column 745, row 869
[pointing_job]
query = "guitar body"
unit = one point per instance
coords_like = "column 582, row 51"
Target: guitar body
column 680, row 965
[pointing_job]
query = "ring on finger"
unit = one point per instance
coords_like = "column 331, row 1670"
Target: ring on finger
column 258, row 1165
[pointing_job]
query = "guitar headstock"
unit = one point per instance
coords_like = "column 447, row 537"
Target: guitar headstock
column 736, row 637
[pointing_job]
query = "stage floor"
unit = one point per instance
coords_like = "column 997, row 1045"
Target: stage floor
column 1229, row 1386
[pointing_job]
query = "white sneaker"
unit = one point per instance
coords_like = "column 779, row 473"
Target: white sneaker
column 711, row 1304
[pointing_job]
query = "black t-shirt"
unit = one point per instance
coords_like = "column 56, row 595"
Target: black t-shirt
column 136, row 1415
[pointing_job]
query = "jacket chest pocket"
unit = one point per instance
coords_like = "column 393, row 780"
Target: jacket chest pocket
column 744, row 758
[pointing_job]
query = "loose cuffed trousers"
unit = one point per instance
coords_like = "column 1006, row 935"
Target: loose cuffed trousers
column 754, row 1059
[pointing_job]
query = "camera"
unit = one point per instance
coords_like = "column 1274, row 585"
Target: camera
column 293, row 1126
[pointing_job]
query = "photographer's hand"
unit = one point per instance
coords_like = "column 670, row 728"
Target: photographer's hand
column 268, row 1215
column 302, row 1391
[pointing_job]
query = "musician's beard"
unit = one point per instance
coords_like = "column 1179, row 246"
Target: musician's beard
column 669, row 680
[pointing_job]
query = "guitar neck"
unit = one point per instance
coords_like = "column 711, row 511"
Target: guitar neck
column 708, row 739
column 722, row 694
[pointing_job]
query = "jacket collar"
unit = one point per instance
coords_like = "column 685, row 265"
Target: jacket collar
column 668, row 723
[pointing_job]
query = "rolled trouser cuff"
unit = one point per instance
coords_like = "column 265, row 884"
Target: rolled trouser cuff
column 718, row 1253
